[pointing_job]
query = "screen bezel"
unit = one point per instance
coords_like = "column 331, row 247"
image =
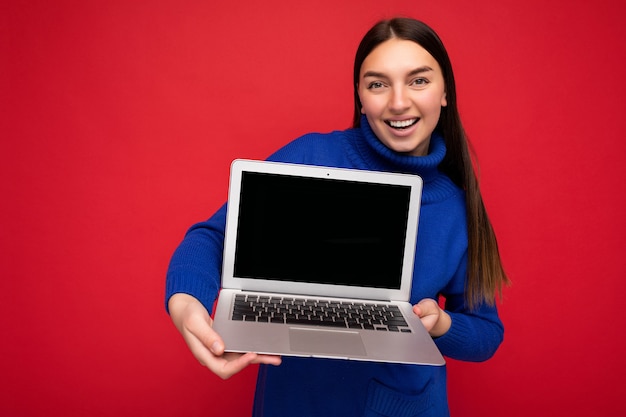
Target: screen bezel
column 239, row 166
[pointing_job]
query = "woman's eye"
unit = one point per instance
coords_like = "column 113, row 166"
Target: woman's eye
column 374, row 85
column 420, row 82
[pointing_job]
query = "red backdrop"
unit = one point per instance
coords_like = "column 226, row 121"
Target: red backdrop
column 119, row 120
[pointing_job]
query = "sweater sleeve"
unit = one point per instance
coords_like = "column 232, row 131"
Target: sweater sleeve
column 475, row 334
column 195, row 267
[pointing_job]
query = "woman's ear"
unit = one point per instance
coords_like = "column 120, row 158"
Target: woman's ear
column 444, row 100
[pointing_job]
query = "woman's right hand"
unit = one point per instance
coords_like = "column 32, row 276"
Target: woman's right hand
column 193, row 321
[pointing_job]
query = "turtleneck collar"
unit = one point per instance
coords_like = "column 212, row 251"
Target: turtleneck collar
column 378, row 156
column 370, row 153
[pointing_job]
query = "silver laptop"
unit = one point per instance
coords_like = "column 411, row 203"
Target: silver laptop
column 318, row 262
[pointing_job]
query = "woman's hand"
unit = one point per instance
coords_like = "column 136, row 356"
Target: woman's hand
column 193, row 321
column 434, row 319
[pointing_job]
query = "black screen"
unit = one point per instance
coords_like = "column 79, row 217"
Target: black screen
column 321, row 230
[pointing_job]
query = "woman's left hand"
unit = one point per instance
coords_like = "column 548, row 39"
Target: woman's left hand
column 434, row 319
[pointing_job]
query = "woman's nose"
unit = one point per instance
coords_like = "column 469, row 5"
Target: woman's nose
column 399, row 100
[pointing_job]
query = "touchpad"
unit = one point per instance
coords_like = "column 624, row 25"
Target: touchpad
column 329, row 342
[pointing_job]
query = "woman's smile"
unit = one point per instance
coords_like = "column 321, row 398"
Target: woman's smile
column 402, row 124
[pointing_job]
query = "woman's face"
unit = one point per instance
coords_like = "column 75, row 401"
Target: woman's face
column 402, row 90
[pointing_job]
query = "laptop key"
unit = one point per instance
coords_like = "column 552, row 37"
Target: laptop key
column 311, row 322
column 396, row 321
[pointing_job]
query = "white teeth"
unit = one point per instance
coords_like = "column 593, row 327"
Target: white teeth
column 401, row 123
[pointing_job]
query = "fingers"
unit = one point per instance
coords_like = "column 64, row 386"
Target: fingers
column 436, row 321
column 208, row 347
column 426, row 307
column 199, row 325
column 194, row 323
column 268, row 359
column 231, row 363
column 427, row 314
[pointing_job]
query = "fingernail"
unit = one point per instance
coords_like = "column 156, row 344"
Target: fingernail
column 215, row 347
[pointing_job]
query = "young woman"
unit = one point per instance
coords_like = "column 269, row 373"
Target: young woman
column 405, row 120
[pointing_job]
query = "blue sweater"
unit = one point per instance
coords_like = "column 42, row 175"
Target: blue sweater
column 320, row 387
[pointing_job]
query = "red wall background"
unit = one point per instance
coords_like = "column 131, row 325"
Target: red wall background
column 119, row 119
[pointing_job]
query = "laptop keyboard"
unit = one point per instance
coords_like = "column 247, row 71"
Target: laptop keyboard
column 316, row 312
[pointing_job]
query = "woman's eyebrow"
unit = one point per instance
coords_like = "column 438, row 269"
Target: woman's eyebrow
column 420, row 70
column 374, row 74
column 416, row 71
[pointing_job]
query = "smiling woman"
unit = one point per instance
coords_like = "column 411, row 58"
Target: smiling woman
column 407, row 61
column 119, row 119
column 402, row 91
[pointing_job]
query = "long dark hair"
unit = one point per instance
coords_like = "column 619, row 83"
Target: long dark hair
column 486, row 275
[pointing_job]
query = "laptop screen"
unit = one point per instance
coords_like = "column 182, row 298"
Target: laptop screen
column 319, row 230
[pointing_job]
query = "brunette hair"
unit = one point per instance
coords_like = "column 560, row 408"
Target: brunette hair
column 486, row 275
